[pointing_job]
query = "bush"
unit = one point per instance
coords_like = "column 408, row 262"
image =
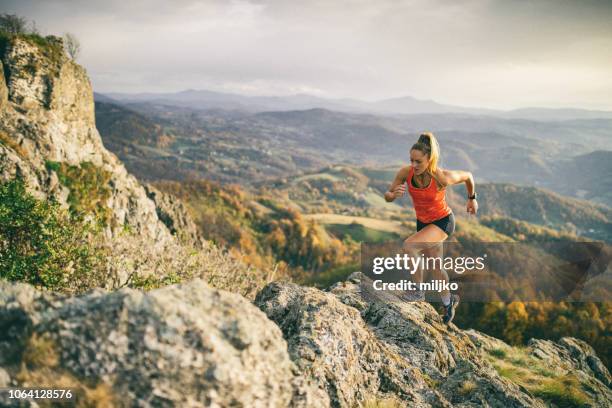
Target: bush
column 89, row 188
column 39, row 243
column 43, row 245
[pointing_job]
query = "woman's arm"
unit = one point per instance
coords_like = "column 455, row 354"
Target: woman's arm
column 397, row 188
column 450, row 177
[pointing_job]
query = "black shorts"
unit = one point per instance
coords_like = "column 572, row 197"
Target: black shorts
column 446, row 224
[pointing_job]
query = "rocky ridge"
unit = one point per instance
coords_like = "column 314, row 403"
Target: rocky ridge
column 189, row 345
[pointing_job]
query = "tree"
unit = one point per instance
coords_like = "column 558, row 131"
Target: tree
column 72, row 45
column 12, row 23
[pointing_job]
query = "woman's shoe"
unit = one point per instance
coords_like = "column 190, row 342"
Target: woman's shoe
column 449, row 313
column 413, row 296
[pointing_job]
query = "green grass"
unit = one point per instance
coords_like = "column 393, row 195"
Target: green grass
column 499, row 353
column 360, row 233
column 564, row 392
column 331, row 276
column 555, row 388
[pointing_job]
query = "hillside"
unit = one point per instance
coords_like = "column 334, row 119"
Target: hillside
column 548, row 209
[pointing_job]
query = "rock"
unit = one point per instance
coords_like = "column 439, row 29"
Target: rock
column 5, row 379
column 174, row 214
column 189, row 345
column 3, row 88
column 183, row 345
column 486, row 342
column 574, row 356
column 354, row 343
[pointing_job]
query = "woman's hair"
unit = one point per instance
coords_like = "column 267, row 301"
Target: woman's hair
column 428, row 144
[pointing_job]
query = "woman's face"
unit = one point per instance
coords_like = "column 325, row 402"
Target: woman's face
column 419, row 161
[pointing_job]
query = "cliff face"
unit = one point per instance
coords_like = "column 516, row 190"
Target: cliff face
column 189, row 345
column 47, row 115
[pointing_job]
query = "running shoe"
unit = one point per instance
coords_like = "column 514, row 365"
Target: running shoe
column 449, row 312
column 413, row 296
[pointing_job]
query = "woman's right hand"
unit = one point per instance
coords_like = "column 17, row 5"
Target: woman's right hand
column 399, row 190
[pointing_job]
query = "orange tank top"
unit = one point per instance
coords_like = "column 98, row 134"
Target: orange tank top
column 429, row 203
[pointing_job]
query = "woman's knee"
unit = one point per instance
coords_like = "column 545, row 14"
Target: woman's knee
column 412, row 247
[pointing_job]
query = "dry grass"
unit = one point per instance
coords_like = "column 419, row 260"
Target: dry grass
column 131, row 261
column 40, row 351
column 388, row 402
column 40, row 368
column 7, row 141
column 467, row 387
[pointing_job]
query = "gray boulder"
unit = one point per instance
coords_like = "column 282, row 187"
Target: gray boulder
column 183, row 345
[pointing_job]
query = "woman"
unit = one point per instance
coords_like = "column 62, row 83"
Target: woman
column 426, row 183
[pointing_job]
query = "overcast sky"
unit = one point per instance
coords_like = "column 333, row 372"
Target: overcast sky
column 485, row 53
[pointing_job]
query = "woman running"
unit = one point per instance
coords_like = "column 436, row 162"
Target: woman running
column 426, row 183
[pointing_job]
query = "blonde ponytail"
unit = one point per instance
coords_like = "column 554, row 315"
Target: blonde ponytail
column 428, row 144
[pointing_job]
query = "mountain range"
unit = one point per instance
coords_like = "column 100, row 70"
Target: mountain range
column 203, row 99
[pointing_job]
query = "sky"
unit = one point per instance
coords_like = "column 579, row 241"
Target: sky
column 500, row 54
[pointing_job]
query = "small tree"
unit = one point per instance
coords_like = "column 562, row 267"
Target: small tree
column 13, row 23
column 72, row 45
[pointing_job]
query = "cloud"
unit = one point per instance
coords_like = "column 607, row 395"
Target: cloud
column 480, row 52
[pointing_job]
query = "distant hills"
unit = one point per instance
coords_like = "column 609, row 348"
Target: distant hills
column 202, row 99
column 157, row 140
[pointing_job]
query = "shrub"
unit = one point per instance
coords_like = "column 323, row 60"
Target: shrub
column 39, row 242
column 89, row 188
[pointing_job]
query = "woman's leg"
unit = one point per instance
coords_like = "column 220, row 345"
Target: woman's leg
column 423, row 240
column 437, row 251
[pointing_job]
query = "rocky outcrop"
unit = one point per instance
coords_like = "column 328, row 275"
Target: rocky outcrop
column 357, row 343
column 174, row 214
column 189, row 345
column 184, row 345
column 573, row 355
column 47, row 115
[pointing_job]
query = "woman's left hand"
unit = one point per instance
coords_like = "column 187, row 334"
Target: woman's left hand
column 472, row 207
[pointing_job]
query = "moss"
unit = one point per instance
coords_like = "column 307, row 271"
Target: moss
column 89, row 188
column 52, row 166
column 430, row 381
